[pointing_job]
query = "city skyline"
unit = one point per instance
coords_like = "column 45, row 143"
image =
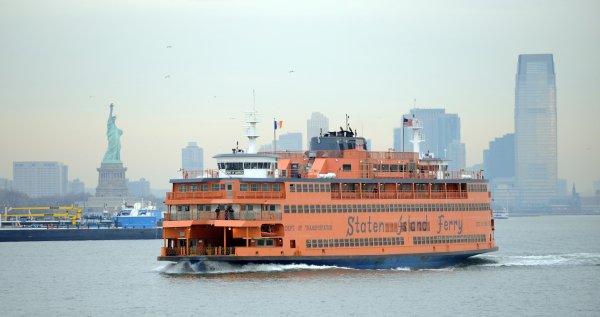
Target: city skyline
column 63, row 64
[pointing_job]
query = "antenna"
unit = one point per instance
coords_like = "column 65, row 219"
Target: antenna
column 347, row 117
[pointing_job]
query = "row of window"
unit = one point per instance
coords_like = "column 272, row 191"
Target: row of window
column 264, row 187
column 354, row 242
column 238, row 166
column 213, row 207
column 477, row 188
column 392, row 167
column 310, row 188
column 346, row 208
column 449, row 239
column 254, row 187
column 419, row 187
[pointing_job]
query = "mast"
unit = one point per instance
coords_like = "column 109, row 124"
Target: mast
column 251, row 121
column 417, row 135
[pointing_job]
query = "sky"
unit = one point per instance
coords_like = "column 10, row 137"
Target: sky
column 180, row 71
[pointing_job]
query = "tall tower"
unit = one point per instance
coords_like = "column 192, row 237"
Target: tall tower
column 315, row 125
column 535, row 131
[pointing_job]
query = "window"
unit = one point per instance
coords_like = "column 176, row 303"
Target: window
column 215, row 187
column 243, row 187
column 346, row 167
column 203, row 187
column 276, row 187
column 292, row 188
column 286, row 209
column 253, row 187
column 193, row 187
column 182, row 188
column 293, row 209
column 264, row 187
column 311, row 188
column 304, row 188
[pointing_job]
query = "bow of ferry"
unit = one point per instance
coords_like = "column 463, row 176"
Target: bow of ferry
column 336, row 204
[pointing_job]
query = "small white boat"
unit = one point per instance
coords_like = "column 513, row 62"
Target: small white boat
column 501, row 214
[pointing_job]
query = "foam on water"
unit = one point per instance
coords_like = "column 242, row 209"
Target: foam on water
column 209, row 267
column 573, row 259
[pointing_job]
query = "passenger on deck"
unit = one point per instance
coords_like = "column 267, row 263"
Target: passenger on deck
column 229, row 213
column 217, row 212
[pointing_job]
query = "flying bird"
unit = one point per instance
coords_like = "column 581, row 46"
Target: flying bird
column 169, row 46
column 291, row 71
column 167, row 76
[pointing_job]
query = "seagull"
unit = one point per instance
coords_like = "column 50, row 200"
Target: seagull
column 291, row 71
column 167, row 76
column 169, row 46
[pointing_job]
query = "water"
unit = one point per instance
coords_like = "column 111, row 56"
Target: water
column 546, row 266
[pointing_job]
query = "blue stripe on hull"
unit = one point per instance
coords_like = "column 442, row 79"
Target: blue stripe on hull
column 387, row 262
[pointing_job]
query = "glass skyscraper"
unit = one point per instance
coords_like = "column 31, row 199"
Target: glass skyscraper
column 315, row 125
column 535, row 131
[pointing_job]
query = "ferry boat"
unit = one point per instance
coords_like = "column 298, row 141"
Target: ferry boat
column 337, row 204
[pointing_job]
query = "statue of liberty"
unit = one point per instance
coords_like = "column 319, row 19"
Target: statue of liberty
column 113, row 152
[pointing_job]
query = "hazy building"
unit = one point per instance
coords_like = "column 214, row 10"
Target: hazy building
column 266, row 147
column 499, row 158
column 535, row 131
column 39, row 179
column 6, row 184
column 192, row 157
column 76, row 187
column 442, row 136
column 139, row 188
column 398, row 140
column 316, row 125
column 289, row 142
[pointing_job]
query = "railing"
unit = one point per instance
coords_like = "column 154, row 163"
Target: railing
column 192, row 195
column 236, row 215
column 221, row 194
column 204, row 173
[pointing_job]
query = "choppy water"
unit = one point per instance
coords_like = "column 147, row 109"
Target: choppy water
column 546, row 266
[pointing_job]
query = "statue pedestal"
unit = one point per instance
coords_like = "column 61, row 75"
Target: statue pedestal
column 111, row 180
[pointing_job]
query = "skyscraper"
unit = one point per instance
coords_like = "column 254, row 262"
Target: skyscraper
column 499, row 167
column 442, row 136
column 499, row 158
column 192, row 157
column 315, row 125
column 535, row 131
column 39, row 179
column 290, row 142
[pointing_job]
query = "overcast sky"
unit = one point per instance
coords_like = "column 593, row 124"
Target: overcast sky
column 180, row 71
